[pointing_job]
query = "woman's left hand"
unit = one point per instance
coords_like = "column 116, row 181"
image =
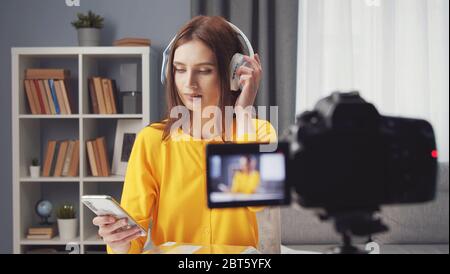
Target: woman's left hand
column 249, row 80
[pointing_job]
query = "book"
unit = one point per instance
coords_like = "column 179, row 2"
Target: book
column 131, row 41
column 45, row 236
column 49, row 155
column 60, row 97
column 68, row 158
column 30, row 97
column 65, row 93
column 44, row 96
column 51, row 84
column 112, row 85
column 99, row 92
column 93, row 97
column 75, row 161
column 91, row 156
column 101, row 145
column 97, row 158
column 39, row 230
column 51, row 103
column 107, row 95
column 37, row 96
column 60, row 159
column 40, row 73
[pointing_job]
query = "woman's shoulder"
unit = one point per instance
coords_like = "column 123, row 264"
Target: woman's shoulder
column 261, row 131
column 153, row 133
column 264, row 129
column 261, row 123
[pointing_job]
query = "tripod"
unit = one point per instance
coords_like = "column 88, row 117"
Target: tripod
column 354, row 222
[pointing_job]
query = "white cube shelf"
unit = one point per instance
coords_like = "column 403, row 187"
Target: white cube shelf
column 30, row 134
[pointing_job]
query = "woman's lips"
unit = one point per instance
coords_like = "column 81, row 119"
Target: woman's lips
column 191, row 97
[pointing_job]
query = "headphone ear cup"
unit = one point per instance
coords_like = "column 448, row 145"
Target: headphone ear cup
column 236, row 62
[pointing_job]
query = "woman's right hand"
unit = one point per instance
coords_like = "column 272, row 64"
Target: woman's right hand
column 115, row 232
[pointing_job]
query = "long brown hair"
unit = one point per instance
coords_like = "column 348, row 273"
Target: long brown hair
column 220, row 37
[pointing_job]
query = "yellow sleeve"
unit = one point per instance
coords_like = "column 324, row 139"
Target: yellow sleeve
column 265, row 131
column 140, row 188
column 254, row 182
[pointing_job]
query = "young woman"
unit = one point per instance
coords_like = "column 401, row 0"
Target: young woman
column 165, row 182
column 247, row 179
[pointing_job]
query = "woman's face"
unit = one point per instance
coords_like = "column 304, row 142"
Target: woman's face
column 196, row 74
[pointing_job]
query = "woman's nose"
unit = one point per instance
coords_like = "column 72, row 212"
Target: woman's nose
column 191, row 81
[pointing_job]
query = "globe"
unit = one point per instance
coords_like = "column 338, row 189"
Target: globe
column 44, row 210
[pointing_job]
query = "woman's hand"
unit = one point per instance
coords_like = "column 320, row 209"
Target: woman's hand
column 116, row 233
column 249, row 80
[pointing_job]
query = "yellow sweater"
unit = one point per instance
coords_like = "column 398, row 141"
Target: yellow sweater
column 245, row 183
column 166, row 182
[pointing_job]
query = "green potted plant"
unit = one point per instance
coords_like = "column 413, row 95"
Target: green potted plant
column 35, row 168
column 88, row 27
column 67, row 222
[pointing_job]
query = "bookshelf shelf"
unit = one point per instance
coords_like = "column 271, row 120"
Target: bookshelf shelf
column 44, row 116
column 112, row 116
column 50, row 179
column 31, row 133
column 114, row 178
column 54, row 241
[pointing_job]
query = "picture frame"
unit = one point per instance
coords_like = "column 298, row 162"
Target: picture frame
column 126, row 132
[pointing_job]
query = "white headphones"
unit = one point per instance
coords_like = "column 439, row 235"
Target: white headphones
column 236, row 61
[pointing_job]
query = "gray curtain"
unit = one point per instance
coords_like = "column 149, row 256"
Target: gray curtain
column 271, row 26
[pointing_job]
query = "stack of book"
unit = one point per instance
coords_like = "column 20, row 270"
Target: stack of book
column 132, row 42
column 47, row 91
column 103, row 94
column 62, row 158
column 98, row 157
column 41, row 233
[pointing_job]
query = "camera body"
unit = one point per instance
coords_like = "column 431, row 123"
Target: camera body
column 341, row 157
column 346, row 156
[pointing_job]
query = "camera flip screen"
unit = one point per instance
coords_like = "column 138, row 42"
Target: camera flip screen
column 240, row 175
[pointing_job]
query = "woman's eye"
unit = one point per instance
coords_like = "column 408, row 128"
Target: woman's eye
column 206, row 71
column 180, row 70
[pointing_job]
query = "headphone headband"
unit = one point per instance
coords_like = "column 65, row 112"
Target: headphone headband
column 168, row 48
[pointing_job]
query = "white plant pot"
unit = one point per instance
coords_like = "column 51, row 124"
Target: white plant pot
column 67, row 228
column 35, row 171
column 88, row 37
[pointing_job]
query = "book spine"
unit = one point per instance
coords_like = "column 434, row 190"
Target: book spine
column 46, row 74
column 93, row 96
column 55, row 99
column 49, row 155
column 60, row 159
column 112, row 85
column 91, row 156
column 44, row 97
column 64, row 92
column 30, row 97
column 49, row 96
column 107, row 96
column 60, row 97
column 75, row 161
column 39, row 96
column 99, row 93
column 98, row 162
column 101, row 145
column 67, row 158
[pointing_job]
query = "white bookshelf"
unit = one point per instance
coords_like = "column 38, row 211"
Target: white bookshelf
column 30, row 134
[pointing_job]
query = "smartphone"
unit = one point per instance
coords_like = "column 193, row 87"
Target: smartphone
column 106, row 205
